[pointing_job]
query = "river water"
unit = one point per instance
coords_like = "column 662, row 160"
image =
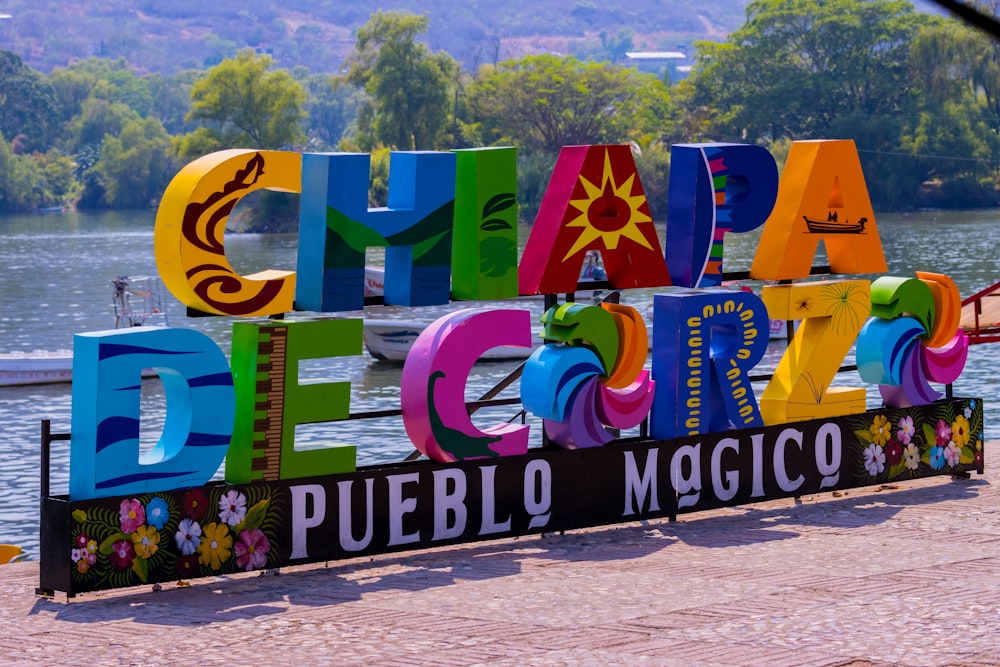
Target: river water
column 56, row 281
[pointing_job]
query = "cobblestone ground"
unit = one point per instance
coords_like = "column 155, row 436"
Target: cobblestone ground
column 906, row 575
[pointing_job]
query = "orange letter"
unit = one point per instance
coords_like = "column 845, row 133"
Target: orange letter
column 822, row 195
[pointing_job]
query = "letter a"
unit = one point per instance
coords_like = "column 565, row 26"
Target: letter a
column 594, row 201
column 821, row 196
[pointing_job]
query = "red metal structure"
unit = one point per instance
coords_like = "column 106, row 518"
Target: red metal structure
column 981, row 315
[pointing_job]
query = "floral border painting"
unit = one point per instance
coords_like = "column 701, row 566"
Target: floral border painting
column 174, row 535
column 917, row 442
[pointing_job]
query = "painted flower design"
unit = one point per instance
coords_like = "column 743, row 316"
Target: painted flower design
column 942, row 433
column 188, row 536
column 906, row 430
column 893, row 452
column 960, row 431
column 952, row 454
column 83, row 566
column 122, row 555
column 187, row 566
column 195, row 504
column 157, row 513
column 936, row 459
column 145, row 541
column 911, row 457
column 92, row 547
column 131, row 514
column 232, row 508
column 881, row 432
column 216, row 545
column 76, row 554
column 874, row 458
column 81, row 540
column 251, row 549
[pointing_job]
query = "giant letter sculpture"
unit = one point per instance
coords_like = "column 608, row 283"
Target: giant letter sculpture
column 594, row 201
column 271, row 402
column 191, row 225
column 107, row 388
column 821, row 196
column 714, row 189
column 432, row 388
column 704, row 345
column 336, row 227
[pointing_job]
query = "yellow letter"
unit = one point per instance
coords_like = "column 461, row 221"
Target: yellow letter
column 833, row 313
column 191, row 223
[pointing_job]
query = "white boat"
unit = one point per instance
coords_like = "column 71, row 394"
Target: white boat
column 137, row 302
column 36, row 367
column 391, row 340
column 375, row 285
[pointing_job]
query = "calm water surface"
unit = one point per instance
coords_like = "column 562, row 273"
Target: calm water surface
column 56, row 278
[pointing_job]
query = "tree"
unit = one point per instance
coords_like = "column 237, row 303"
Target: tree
column 951, row 60
column 57, row 170
column 409, row 87
column 545, row 102
column 247, row 105
column 333, row 109
column 27, row 104
column 22, row 184
column 796, row 65
column 134, row 167
column 97, row 119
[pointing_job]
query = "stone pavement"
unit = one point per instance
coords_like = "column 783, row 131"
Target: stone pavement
column 878, row 576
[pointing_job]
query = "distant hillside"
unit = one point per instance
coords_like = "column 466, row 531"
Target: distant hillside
column 171, row 35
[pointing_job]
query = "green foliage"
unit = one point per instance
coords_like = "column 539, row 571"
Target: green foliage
column 795, row 65
column 193, row 145
column 378, row 184
column 918, row 94
column 653, row 163
column 542, row 103
column 332, row 106
column 21, row 181
column 27, row 104
column 533, row 172
column 58, row 172
column 248, row 105
column 135, row 166
column 409, row 87
column 97, row 118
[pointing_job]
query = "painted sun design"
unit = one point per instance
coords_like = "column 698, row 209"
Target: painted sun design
column 609, row 212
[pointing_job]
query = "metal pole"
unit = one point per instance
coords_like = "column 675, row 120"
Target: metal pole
column 43, row 484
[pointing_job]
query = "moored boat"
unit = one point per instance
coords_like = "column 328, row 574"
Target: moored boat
column 391, row 340
column 136, row 301
column 35, row 367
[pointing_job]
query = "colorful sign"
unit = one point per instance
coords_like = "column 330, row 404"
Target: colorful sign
column 222, row 528
column 449, row 231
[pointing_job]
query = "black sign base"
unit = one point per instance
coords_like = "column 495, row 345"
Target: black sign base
column 182, row 534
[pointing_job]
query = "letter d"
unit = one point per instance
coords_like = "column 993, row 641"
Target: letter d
column 107, row 388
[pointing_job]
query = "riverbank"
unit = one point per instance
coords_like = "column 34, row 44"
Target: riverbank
column 902, row 575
